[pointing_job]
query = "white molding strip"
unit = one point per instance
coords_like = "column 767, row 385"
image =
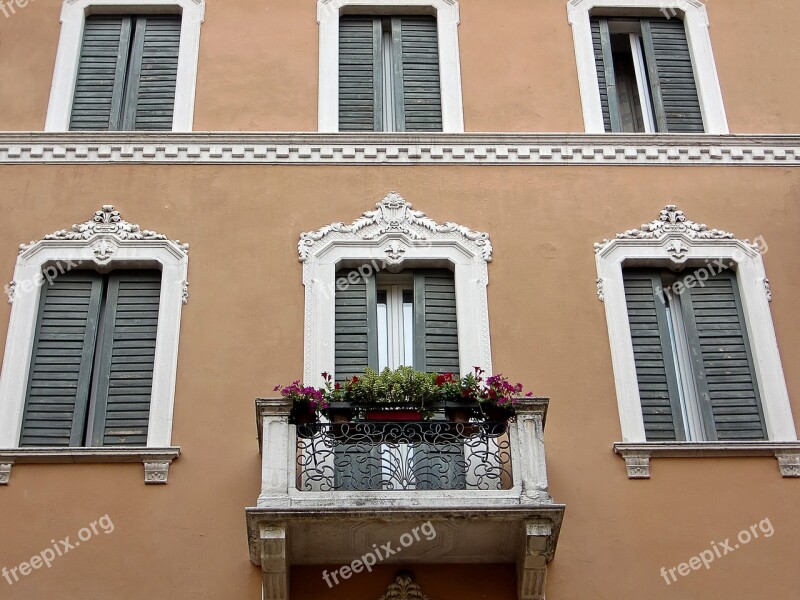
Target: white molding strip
column 156, row 460
column 637, row 456
column 101, row 243
column 447, row 19
column 402, row 149
column 695, row 17
column 73, row 17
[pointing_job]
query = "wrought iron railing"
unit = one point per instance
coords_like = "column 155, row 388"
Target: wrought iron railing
column 424, row 455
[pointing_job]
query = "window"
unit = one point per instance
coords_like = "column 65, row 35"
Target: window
column 91, row 374
column 693, row 345
column 91, row 360
column 694, row 363
column 389, row 74
column 125, row 65
column 645, row 74
column 126, row 73
column 389, row 66
column 645, row 68
column 391, row 320
column 388, row 321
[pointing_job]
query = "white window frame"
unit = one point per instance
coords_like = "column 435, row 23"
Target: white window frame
column 694, row 15
column 673, row 240
column 447, row 20
column 73, row 18
column 104, row 242
column 394, row 237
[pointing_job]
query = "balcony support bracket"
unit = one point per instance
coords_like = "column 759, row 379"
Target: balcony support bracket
column 274, row 568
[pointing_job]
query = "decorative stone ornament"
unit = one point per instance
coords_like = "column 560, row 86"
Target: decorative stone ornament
column 393, row 215
column 107, row 222
column 670, row 221
column 404, row 588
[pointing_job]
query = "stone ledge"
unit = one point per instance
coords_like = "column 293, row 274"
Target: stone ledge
column 156, row 460
column 398, row 148
column 637, row 455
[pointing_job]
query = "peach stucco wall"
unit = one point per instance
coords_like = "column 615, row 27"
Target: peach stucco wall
column 242, row 334
column 258, row 65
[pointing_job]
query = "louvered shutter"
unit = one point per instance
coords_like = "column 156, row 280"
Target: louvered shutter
column 125, row 364
column 722, row 360
column 360, row 105
column 652, row 352
column 356, row 340
column 61, row 365
column 421, row 99
column 100, row 83
column 153, row 73
column 436, row 323
column 605, row 73
column 672, row 79
column 127, row 73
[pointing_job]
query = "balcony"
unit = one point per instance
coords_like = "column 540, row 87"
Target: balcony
column 482, row 486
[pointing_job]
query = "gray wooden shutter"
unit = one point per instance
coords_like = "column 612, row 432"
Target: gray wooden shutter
column 61, row 365
column 722, row 360
column 127, row 73
column 124, row 380
column 150, row 100
column 672, row 81
column 435, row 321
column 652, row 352
column 604, row 64
column 356, row 335
column 100, row 83
column 360, row 79
column 421, row 95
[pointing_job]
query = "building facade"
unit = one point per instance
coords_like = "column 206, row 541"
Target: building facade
column 598, row 198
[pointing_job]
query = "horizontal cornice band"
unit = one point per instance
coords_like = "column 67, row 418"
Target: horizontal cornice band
column 400, row 149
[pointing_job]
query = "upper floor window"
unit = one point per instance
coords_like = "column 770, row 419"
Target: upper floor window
column 91, row 375
column 124, row 65
column 127, row 73
column 645, row 76
column 389, row 74
column 389, row 66
column 645, row 68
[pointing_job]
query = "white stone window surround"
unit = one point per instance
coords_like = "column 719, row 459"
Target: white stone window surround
column 447, row 20
column 73, row 17
column 672, row 241
column 104, row 242
column 694, row 15
column 395, row 237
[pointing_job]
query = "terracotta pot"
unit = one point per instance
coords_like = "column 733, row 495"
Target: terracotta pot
column 403, row 414
column 458, row 414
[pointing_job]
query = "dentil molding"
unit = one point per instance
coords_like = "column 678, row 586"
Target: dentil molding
column 399, row 148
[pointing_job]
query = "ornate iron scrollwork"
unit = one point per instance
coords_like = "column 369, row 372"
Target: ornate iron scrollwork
column 426, row 455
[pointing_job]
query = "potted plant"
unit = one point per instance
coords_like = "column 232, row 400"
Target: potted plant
column 456, row 399
column 497, row 396
column 307, row 403
column 339, row 410
column 400, row 395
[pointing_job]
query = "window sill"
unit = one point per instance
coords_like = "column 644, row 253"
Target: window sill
column 156, row 460
column 637, row 454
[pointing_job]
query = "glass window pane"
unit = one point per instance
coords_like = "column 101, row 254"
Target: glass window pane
column 383, row 331
column 408, row 327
